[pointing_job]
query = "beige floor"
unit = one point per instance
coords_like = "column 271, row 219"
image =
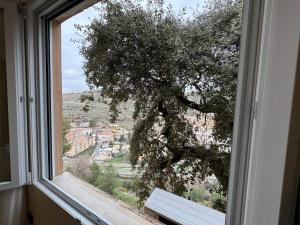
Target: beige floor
column 113, row 210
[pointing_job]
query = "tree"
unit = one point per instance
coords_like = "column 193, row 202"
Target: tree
column 66, row 126
column 108, row 180
column 170, row 65
column 95, row 173
column 93, row 124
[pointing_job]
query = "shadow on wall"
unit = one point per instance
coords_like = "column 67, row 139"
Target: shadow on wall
column 44, row 211
column 13, row 207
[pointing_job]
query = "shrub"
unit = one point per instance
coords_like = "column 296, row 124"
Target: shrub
column 127, row 197
column 197, row 194
column 95, row 173
column 108, row 180
column 218, row 201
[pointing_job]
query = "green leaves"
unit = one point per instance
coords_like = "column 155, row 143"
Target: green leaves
column 172, row 67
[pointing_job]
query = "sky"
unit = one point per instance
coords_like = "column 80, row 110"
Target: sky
column 73, row 79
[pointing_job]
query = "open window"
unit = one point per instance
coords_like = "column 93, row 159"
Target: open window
column 137, row 107
column 12, row 147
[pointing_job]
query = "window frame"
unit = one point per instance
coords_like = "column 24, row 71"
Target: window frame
column 41, row 150
column 16, row 96
column 245, row 108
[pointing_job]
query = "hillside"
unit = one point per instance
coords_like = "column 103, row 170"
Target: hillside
column 72, row 108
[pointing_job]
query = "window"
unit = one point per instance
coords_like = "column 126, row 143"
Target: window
column 12, row 129
column 151, row 119
column 4, row 137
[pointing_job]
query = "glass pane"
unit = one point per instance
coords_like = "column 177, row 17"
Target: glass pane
column 145, row 95
column 4, row 129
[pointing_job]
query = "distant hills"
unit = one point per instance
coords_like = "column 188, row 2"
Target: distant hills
column 72, row 108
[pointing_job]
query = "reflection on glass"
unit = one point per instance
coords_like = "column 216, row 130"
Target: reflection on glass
column 4, row 129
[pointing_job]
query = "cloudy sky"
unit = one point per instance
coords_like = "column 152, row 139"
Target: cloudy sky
column 72, row 74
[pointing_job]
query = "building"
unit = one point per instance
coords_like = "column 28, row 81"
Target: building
column 102, row 154
column 80, row 139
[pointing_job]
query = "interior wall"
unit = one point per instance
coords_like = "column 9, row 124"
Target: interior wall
column 13, row 207
column 44, row 211
column 292, row 169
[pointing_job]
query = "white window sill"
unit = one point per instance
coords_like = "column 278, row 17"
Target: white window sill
column 104, row 205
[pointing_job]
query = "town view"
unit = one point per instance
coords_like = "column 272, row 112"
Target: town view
column 96, row 147
column 148, row 103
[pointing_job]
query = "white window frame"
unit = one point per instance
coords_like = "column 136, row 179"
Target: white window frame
column 245, row 109
column 15, row 94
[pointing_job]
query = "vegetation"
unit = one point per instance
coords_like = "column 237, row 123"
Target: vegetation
column 168, row 65
column 93, row 123
column 108, row 181
column 119, row 159
column 197, row 194
column 125, row 196
column 66, row 126
column 97, row 110
column 218, row 200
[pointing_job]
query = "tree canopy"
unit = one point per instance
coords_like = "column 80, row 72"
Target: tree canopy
column 170, row 65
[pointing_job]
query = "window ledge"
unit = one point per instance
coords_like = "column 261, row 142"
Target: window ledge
column 104, row 205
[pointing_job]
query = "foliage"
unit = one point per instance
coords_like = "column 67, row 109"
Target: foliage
column 218, row 201
column 124, row 196
column 169, row 65
column 95, row 173
column 66, row 126
column 197, row 194
column 131, row 185
column 108, row 180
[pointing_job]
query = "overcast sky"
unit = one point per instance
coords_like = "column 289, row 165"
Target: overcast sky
column 72, row 74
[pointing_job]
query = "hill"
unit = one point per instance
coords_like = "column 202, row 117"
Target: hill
column 73, row 108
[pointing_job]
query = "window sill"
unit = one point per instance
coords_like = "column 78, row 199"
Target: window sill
column 102, row 204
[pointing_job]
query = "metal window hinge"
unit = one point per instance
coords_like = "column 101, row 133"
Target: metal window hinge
column 22, row 10
column 29, row 100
